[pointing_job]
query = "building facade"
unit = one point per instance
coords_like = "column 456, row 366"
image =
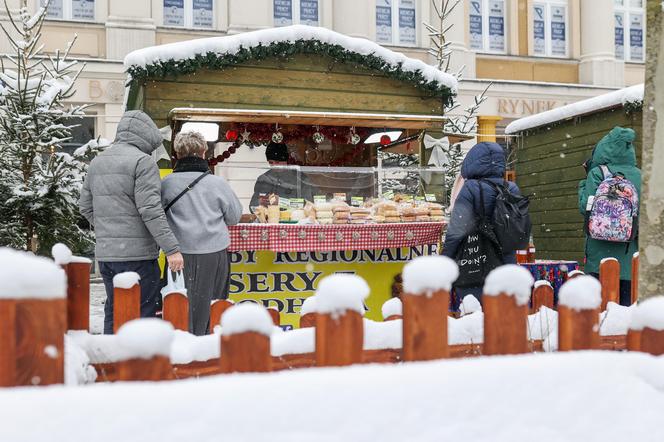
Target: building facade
column 538, row 54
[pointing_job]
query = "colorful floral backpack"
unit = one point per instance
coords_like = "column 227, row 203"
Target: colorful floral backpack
column 612, row 213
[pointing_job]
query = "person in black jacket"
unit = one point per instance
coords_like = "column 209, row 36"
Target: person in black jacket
column 485, row 161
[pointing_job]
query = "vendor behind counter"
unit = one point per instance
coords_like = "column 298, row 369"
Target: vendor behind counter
column 292, row 183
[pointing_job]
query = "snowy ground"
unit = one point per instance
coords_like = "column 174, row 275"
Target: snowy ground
column 581, row 396
column 97, row 298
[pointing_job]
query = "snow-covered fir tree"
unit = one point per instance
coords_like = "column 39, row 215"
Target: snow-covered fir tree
column 39, row 184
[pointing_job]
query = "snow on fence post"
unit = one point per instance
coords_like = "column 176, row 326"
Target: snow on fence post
column 579, row 300
column 339, row 323
column 635, row 278
column 392, row 309
column 78, row 286
column 145, row 345
column 542, row 295
column 609, row 278
column 245, row 339
column 308, row 312
column 427, row 281
column 126, row 299
column 648, row 322
column 217, row 308
column 574, row 273
column 505, row 304
column 176, row 310
column 33, row 319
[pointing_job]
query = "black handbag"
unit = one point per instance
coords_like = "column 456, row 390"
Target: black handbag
column 479, row 253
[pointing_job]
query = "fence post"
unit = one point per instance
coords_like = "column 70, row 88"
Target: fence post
column 339, row 326
column 427, row 281
column 648, row 321
column 542, row 295
column 308, row 312
column 126, row 299
column 633, row 340
column 274, row 314
column 609, row 277
column 217, row 308
column 635, row 278
column 146, row 346
column 176, row 310
column 506, row 294
column 7, row 342
column 392, row 309
column 33, row 321
column 578, row 314
column 77, row 270
column 245, row 339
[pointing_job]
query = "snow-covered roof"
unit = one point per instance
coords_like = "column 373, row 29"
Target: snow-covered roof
column 187, row 56
column 632, row 94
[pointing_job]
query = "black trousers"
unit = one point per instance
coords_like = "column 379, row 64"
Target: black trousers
column 149, row 282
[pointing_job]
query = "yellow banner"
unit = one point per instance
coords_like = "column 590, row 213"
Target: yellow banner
column 285, row 280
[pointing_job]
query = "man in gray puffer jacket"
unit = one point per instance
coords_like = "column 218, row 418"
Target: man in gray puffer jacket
column 121, row 198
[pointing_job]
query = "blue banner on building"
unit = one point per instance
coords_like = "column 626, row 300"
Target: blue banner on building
column 83, row 9
column 383, row 21
column 476, row 34
column 619, row 36
column 173, row 12
column 309, row 12
column 203, row 14
column 497, row 26
column 539, row 25
column 558, row 31
column 636, row 37
column 407, row 22
column 283, row 12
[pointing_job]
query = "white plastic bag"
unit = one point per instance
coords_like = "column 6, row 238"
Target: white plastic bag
column 176, row 285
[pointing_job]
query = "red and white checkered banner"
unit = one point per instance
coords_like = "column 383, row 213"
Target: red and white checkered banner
column 321, row 238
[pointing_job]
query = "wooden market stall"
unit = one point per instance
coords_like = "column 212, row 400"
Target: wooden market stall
column 299, row 82
column 550, row 148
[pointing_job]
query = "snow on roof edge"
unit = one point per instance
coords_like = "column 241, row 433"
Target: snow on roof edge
column 632, row 94
column 231, row 44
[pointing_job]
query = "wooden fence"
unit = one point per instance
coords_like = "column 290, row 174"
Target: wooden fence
column 31, row 335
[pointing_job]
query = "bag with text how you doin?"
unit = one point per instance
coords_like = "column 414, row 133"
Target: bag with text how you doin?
column 479, row 253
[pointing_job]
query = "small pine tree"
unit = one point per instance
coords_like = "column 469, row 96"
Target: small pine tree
column 39, row 184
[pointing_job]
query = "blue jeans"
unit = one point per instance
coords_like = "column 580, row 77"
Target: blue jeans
column 149, row 282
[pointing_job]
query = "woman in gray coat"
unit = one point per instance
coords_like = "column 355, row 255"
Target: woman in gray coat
column 199, row 220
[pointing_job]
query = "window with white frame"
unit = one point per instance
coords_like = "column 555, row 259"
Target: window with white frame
column 629, row 26
column 83, row 10
column 396, row 22
column 550, row 28
column 487, row 25
column 289, row 12
column 189, row 13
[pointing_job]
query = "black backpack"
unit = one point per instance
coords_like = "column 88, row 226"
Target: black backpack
column 511, row 220
column 479, row 253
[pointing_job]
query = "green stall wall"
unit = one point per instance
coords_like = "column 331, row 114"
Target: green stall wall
column 549, row 169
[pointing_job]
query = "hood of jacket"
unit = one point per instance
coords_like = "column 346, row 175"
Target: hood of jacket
column 484, row 160
column 615, row 148
column 137, row 129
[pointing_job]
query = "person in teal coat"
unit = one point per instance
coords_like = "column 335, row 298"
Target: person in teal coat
column 615, row 151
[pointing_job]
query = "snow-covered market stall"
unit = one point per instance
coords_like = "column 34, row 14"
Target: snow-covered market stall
column 550, row 150
column 360, row 186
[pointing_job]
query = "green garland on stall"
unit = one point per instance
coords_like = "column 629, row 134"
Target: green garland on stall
column 285, row 50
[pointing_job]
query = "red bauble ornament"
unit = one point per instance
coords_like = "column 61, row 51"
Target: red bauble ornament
column 385, row 140
column 213, row 162
column 219, row 158
column 231, row 135
column 226, row 154
column 232, row 149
